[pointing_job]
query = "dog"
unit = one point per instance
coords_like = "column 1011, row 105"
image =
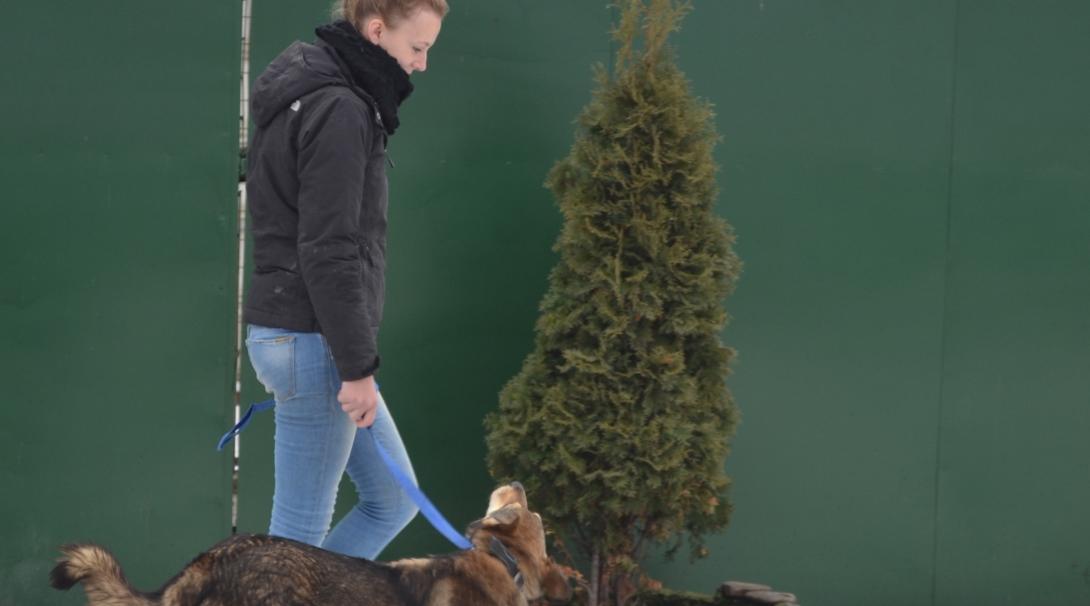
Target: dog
column 507, row 566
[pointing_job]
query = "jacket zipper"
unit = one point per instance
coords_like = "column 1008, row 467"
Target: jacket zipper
column 385, row 151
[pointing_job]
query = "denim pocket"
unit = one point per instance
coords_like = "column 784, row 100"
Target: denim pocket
column 272, row 354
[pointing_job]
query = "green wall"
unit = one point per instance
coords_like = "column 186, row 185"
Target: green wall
column 1014, row 475
column 117, row 168
column 910, row 184
column 910, row 187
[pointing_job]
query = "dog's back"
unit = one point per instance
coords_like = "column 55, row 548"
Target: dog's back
column 260, row 569
column 244, row 569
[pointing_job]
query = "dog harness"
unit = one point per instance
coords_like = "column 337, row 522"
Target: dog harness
column 500, row 552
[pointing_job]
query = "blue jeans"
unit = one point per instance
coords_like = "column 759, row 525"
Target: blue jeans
column 316, row 443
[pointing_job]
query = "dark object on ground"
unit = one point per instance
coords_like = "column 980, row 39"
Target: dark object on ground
column 731, row 593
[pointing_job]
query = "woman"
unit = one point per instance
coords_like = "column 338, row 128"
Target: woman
column 316, row 189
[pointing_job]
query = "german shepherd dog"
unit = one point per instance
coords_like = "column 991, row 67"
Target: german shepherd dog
column 507, row 566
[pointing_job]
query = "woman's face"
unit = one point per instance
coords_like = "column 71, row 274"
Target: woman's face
column 409, row 41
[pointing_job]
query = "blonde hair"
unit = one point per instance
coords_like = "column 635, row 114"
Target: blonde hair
column 390, row 11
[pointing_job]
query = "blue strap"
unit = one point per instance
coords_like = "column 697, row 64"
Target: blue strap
column 430, row 512
column 244, row 421
column 419, row 498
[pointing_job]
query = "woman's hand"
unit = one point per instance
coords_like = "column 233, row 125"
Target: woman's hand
column 359, row 400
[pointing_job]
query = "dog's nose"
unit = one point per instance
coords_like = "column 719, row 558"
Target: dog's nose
column 518, row 486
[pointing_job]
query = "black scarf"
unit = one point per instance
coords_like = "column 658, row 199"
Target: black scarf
column 372, row 68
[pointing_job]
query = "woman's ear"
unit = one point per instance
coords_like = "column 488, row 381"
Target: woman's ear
column 373, row 29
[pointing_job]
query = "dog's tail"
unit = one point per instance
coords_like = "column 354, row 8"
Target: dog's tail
column 101, row 575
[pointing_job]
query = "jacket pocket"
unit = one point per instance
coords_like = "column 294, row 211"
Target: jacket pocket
column 272, row 354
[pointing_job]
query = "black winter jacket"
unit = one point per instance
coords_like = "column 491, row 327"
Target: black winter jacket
column 317, row 198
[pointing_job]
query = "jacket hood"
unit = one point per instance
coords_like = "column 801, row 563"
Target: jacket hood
column 302, row 68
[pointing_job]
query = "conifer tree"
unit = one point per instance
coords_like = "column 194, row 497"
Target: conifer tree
column 618, row 422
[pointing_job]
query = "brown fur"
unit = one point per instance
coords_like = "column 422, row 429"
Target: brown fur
column 252, row 570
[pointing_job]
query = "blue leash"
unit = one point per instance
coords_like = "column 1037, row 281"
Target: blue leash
column 243, row 422
column 426, row 507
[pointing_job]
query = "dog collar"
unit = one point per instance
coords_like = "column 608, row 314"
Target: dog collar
column 499, row 551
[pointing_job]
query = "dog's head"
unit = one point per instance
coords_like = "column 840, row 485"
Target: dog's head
column 522, row 533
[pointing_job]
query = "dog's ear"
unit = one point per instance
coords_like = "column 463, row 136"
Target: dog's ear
column 555, row 585
column 502, row 517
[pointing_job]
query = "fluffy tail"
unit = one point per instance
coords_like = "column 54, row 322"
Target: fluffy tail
column 101, row 575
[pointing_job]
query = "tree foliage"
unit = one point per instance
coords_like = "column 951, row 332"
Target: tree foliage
column 618, row 422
